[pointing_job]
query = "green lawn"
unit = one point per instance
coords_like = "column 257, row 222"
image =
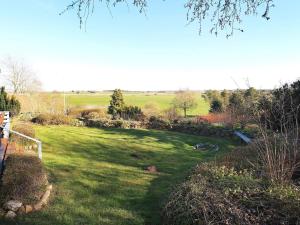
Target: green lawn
column 163, row 101
column 97, row 181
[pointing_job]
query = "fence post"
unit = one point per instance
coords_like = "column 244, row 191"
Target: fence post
column 40, row 150
column 39, row 143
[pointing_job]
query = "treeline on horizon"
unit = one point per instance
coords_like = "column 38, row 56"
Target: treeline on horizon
column 147, row 92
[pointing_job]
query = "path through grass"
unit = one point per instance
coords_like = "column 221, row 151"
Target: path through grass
column 97, row 181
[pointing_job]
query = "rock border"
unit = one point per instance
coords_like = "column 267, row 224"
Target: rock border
column 18, row 207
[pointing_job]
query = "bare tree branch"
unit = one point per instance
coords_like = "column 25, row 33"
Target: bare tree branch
column 19, row 77
column 225, row 15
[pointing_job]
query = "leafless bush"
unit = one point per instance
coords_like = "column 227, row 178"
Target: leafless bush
column 278, row 147
column 171, row 114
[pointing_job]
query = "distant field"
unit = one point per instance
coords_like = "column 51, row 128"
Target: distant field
column 162, row 100
column 42, row 102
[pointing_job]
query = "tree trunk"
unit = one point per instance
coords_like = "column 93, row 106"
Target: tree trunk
column 184, row 112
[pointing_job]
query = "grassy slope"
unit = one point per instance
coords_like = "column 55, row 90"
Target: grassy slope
column 97, row 181
column 162, row 100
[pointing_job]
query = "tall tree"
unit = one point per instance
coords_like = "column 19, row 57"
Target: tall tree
column 117, row 104
column 216, row 106
column 185, row 100
column 9, row 103
column 284, row 101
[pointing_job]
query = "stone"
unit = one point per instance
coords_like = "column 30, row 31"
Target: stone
column 13, row 205
column 151, row 169
column 50, row 187
column 21, row 210
column 44, row 200
column 206, row 146
column 38, row 206
column 2, row 213
column 45, row 197
column 10, row 215
column 28, row 209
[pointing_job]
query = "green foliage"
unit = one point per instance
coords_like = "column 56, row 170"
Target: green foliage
column 188, row 126
column 225, row 97
column 132, row 113
column 10, row 104
column 283, row 104
column 238, row 103
column 203, row 129
column 216, row 106
column 236, row 100
column 118, row 108
column 117, row 104
column 251, row 94
column 158, row 123
column 211, row 95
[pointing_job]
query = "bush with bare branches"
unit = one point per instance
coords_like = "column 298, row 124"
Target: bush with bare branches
column 278, row 147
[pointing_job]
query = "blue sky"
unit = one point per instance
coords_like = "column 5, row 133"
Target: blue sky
column 158, row 51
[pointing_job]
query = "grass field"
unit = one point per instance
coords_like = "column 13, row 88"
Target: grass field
column 97, row 181
column 163, row 101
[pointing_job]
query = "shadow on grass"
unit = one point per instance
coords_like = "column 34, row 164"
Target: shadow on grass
column 97, row 181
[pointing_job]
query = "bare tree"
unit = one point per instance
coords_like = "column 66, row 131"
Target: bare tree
column 223, row 14
column 185, row 100
column 19, row 77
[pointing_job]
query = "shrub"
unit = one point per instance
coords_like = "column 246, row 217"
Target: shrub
column 202, row 128
column 53, row 119
column 24, row 179
column 94, row 113
column 171, row 114
column 185, row 100
column 240, row 158
column 278, row 156
column 117, row 104
column 10, row 104
column 27, row 117
column 84, row 113
column 220, row 195
column 108, row 123
column 158, row 123
column 132, row 113
column 216, row 106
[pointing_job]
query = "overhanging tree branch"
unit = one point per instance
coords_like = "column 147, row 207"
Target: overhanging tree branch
column 225, row 15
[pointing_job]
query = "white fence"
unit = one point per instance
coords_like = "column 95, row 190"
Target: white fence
column 38, row 142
